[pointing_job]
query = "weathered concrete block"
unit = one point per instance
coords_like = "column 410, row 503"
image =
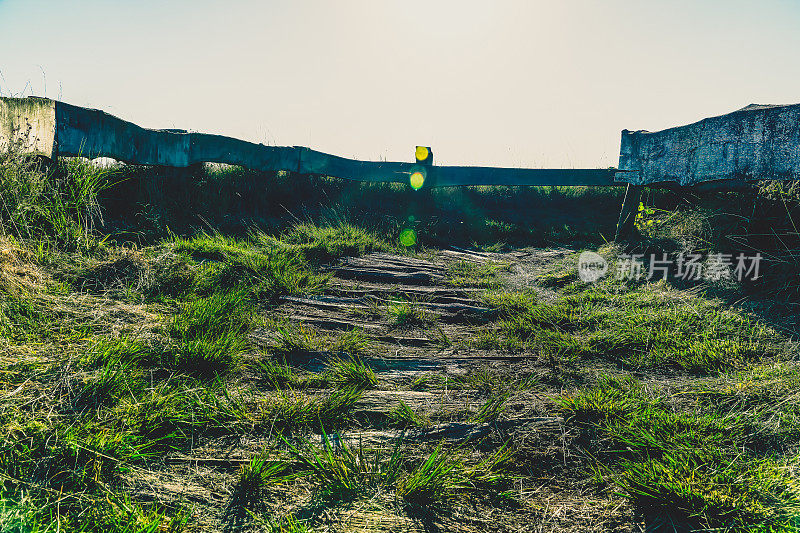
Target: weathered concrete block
column 56, row 128
column 756, row 142
column 28, row 125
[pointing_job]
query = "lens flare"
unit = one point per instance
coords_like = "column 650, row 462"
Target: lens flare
column 421, row 153
column 408, row 237
column 417, row 180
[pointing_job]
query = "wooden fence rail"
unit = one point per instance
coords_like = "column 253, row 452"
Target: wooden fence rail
column 756, row 142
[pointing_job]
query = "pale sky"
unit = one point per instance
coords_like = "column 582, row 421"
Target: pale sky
column 543, row 84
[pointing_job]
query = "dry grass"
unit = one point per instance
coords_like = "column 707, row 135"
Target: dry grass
column 132, row 398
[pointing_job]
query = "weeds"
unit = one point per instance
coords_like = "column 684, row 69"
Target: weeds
column 291, row 342
column 404, row 417
column 215, row 315
column 289, row 524
column 692, row 468
column 405, row 313
column 123, row 350
column 644, row 327
column 290, row 409
column 255, row 476
column 174, row 413
column 351, row 372
column 116, row 379
column 321, row 244
column 492, row 408
column 343, row 472
column 209, row 332
column 59, row 207
column 279, row 375
column 434, row 481
column 470, row 274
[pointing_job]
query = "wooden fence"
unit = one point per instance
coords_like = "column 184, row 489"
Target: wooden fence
column 756, row 142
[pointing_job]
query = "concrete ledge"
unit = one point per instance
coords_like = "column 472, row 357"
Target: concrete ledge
column 28, row 125
column 51, row 128
column 756, row 142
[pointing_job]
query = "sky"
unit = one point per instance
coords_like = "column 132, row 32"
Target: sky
column 538, row 84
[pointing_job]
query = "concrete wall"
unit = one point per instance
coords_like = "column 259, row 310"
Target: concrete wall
column 27, row 125
column 92, row 133
column 756, row 142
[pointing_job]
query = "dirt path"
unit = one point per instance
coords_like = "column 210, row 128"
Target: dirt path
column 426, row 362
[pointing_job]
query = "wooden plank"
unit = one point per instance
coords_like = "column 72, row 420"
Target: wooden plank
column 384, row 276
column 756, row 142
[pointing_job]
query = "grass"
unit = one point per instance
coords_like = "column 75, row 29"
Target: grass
column 697, row 468
column 288, row 524
column 404, row 417
column 444, row 474
column 470, row 274
column 115, row 380
column 267, row 274
column 342, row 472
column 279, row 375
column 327, row 243
column 57, row 207
column 408, row 314
column 255, row 476
column 124, row 344
column 293, row 341
column 123, row 350
column 216, row 315
column 433, row 481
column 174, row 413
column 291, row 410
column 492, row 408
column 342, row 372
column 351, row 372
column 152, row 275
column 647, row 326
column 209, row 334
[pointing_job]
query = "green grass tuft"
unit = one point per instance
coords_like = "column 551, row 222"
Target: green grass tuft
column 254, row 477
column 351, row 372
column 321, row 244
column 700, row 469
column 58, row 207
column 404, row 417
column 408, row 313
column 640, row 327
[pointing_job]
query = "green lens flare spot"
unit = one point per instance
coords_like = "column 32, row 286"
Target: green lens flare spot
column 408, row 237
column 417, row 180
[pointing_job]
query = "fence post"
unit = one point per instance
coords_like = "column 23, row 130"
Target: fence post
column 627, row 215
column 422, row 174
